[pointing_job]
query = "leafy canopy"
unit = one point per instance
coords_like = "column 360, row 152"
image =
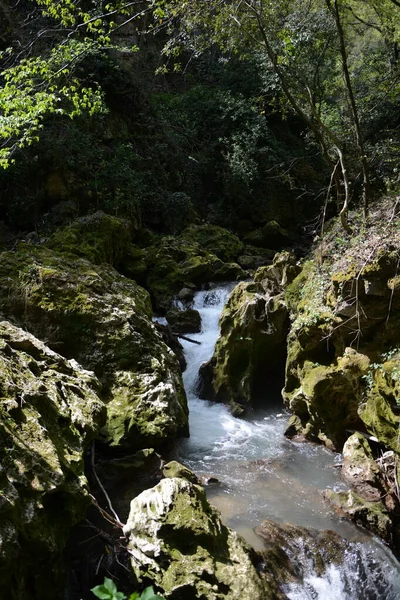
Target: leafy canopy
column 40, row 71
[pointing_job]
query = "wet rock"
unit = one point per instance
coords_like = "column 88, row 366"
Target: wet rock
column 102, row 319
column 184, row 321
column 186, row 294
column 176, row 262
column 371, row 515
column 250, row 352
column 175, row 469
column 50, row 411
column 360, row 469
column 292, row 552
column 177, row 540
column 329, row 396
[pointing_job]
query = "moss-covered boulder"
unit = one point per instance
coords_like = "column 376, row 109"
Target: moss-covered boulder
column 217, row 240
column 328, row 397
column 175, row 263
column 250, row 352
column 49, row 412
column 178, row 542
column 251, row 346
column 271, row 235
column 253, row 257
column 372, row 501
column 292, row 553
column 380, row 408
column 330, row 387
column 360, row 469
column 100, row 238
column 371, row 515
column 184, row 321
column 103, row 320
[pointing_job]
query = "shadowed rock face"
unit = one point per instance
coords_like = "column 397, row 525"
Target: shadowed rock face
column 292, row 552
column 178, row 541
column 50, row 410
column 103, row 320
column 250, row 352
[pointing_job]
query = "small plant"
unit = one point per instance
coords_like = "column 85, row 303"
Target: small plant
column 108, row 591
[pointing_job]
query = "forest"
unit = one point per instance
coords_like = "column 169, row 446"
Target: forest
column 159, row 158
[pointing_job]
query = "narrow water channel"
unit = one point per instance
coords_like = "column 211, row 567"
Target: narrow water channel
column 262, row 475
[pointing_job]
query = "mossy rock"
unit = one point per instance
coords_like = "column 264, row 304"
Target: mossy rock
column 178, row 542
column 360, row 469
column 184, row 321
column 331, row 396
column 175, row 263
column 50, row 411
column 102, row 319
column 271, row 235
column 99, row 238
column 290, row 549
column 371, row 515
column 253, row 257
column 217, row 240
column 381, row 410
column 250, row 349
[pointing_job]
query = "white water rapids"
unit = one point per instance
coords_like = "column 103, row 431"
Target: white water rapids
column 265, row 476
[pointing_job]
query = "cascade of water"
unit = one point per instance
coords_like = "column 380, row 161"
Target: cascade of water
column 263, row 475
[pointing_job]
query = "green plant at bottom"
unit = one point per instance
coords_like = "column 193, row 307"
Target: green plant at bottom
column 108, row 591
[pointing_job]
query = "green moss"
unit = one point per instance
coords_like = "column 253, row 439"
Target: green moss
column 99, row 238
column 221, row 242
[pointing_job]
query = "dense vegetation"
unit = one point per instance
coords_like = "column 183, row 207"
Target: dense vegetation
column 170, row 112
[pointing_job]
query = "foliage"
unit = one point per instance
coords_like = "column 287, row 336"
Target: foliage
column 39, row 80
column 108, row 591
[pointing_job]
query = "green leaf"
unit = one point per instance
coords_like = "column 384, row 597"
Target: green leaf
column 108, row 591
column 148, row 594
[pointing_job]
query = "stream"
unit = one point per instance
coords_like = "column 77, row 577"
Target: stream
column 263, row 475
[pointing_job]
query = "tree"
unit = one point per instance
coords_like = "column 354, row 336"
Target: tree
column 303, row 48
column 40, row 70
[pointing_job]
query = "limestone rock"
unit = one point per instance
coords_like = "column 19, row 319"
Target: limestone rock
column 328, row 397
column 360, row 469
column 50, row 411
column 175, row 469
column 177, row 540
column 99, row 238
column 271, row 235
column 250, row 351
column 372, row 515
column 176, row 262
column 184, row 321
column 292, row 552
column 217, row 240
column 103, row 320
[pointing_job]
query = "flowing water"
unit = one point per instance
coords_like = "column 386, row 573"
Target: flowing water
column 262, row 475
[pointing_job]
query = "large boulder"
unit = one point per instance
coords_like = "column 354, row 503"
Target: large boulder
column 328, row 397
column 250, row 353
column 100, row 238
column 372, row 500
column 174, row 263
column 50, row 411
column 217, row 240
column 103, row 320
column 330, row 386
column 177, row 541
column 293, row 553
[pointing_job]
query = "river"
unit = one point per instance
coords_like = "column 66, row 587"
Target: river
column 263, row 475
